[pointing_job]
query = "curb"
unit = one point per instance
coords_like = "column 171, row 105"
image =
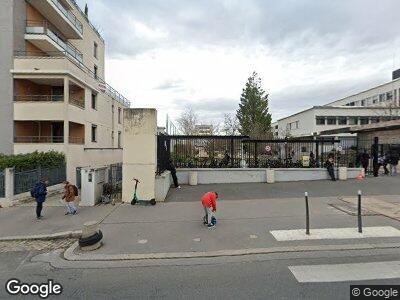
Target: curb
column 52, row 236
column 70, row 255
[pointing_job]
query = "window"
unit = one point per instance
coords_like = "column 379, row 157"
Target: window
column 381, row 97
column 112, row 138
column 95, row 47
column 374, row 120
column 119, row 139
column 352, row 104
column 389, row 96
column 331, row 120
column 395, row 95
column 95, row 71
column 112, row 108
column 320, row 120
column 363, row 102
column 94, row 133
column 94, row 101
column 364, row 120
column 297, row 124
column 342, row 121
column 353, row 120
column 119, row 115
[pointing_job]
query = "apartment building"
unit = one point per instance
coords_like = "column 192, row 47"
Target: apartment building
column 203, row 129
column 53, row 93
column 378, row 104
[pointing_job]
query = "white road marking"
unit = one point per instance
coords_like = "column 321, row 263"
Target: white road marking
column 347, row 272
column 253, row 236
column 142, row 241
column 197, row 239
column 335, row 233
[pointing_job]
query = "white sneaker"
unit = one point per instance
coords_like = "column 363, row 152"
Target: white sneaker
column 179, row 187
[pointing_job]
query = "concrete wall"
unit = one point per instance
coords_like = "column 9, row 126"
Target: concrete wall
column 139, row 153
column 163, row 184
column 385, row 137
column 209, row 176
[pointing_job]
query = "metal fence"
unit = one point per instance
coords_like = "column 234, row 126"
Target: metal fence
column 240, row 151
column 25, row 180
column 2, row 185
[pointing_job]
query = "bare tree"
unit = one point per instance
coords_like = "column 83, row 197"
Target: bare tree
column 187, row 121
column 231, row 125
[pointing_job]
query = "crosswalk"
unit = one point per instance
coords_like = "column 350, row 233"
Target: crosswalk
column 346, row 272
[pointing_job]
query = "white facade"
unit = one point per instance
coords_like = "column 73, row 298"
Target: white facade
column 374, row 105
column 60, row 100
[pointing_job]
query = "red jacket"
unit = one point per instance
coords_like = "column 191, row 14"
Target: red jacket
column 209, row 200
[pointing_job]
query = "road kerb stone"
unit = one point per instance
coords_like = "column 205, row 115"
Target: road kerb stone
column 72, row 255
column 52, row 236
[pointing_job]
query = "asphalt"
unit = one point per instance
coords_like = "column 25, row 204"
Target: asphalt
column 258, row 277
column 384, row 185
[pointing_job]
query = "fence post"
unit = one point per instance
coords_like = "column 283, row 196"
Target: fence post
column 8, row 187
column 317, row 153
column 307, row 214
column 359, row 212
column 375, row 155
column 232, row 153
column 255, row 154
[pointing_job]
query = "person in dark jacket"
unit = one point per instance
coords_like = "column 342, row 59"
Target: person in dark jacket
column 40, row 192
column 364, row 160
column 171, row 167
column 330, row 167
column 393, row 161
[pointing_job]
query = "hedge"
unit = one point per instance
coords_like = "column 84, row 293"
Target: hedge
column 30, row 161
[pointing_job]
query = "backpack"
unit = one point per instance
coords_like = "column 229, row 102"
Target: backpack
column 33, row 192
column 76, row 192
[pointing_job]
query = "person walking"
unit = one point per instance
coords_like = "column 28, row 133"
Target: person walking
column 171, row 167
column 330, row 167
column 39, row 192
column 394, row 161
column 209, row 202
column 69, row 200
column 364, row 160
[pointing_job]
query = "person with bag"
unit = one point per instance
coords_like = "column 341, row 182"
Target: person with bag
column 39, row 192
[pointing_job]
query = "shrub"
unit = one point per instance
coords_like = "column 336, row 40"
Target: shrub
column 30, row 161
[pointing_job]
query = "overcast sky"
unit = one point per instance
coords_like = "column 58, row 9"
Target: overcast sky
column 170, row 54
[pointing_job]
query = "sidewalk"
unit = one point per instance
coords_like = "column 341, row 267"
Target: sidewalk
column 177, row 227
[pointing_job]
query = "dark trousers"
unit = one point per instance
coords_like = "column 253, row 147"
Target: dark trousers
column 174, row 178
column 331, row 172
column 365, row 169
column 376, row 169
column 39, row 207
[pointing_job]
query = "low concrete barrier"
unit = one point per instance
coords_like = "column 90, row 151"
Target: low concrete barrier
column 163, row 183
column 248, row 175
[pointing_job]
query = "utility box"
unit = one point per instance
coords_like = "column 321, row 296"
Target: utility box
column 92, row 180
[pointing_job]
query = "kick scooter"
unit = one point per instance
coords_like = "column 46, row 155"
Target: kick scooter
column 135, row 199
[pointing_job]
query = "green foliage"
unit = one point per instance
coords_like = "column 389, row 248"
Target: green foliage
column 30, row 161
column 253, row 116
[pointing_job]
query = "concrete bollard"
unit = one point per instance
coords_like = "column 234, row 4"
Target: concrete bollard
column 270, row 176
column 342, row 173
column 192, row 178
column 91, row 236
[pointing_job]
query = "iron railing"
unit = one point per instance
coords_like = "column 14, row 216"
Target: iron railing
column 240, row 151
column 39, row 98
column 45, row 28
column 69, row 15
column 76, row 140
column 2, row 185
column 24, row 181
column 39, row 139
column 103, row 86
column 76, row 102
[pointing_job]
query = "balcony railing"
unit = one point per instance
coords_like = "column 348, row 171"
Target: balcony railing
column 103, row 86
column 76, row 102
column 39, row 139
column 76, row 140
column 39, row 98
column 69, row 15
column 44, row 28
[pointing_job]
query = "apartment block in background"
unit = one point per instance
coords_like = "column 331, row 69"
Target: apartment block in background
column 53, row 93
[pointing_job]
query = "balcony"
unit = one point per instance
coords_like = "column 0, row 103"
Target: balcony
column 46, row 38
column 61, row 16
column 39, row 132
column 76, row 133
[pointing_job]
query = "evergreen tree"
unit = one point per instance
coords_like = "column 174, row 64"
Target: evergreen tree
column 253, row 116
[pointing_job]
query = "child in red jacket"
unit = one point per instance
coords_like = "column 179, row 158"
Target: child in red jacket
column 209, row 202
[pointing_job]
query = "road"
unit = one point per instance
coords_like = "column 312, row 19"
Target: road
column 247, row 277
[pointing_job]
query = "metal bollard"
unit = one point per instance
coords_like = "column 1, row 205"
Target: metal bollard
column 359, row 212
column 307, row 215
